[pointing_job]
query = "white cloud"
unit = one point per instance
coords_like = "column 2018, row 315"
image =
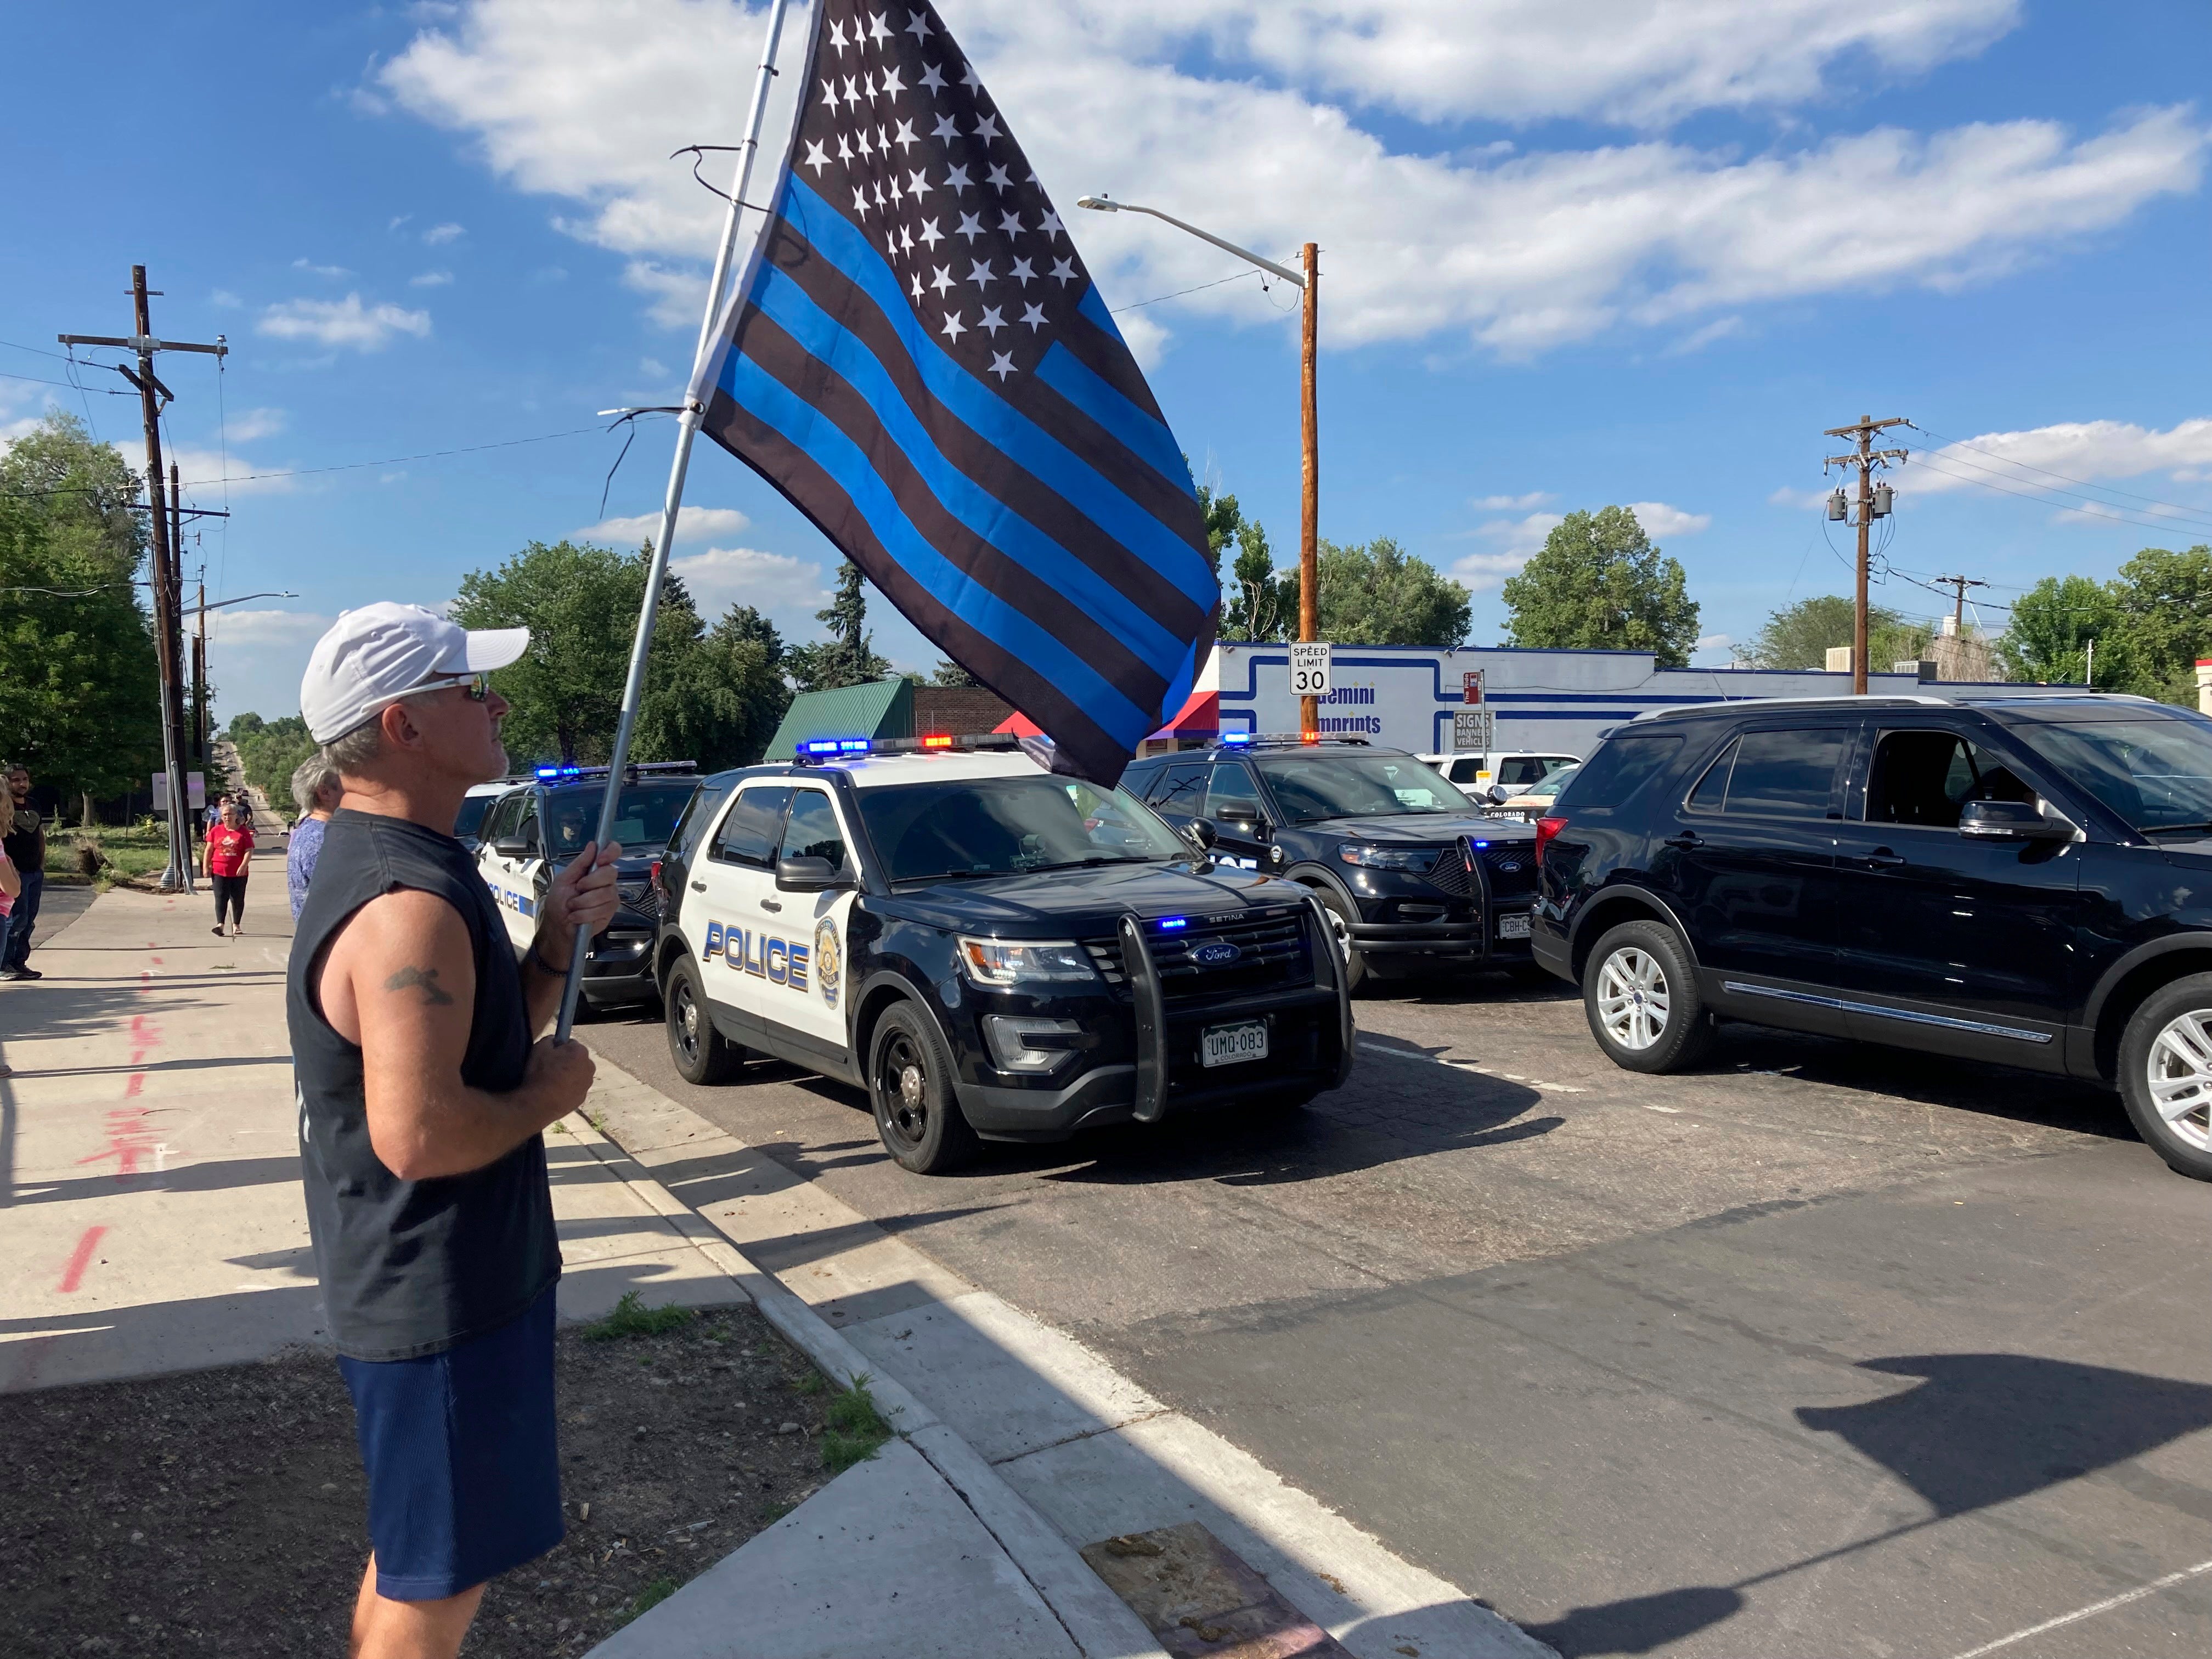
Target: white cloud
column 1714, row 642
column 398, row 220
column 1721, row 328
column 789, row 588
column 654, row 367
column 344, row 322
column 320, row 271
column 1513, row 503
column 693, row 524
column 1483, row 571
column 439, row 235
column 245, row 427
column 204, row 468
column 224, row 298
column 1523, row 252
column 1661, row 520
column 431, row 279
column 256, row 658
column 2086, row 450
column 1517, row 541
column 275, row 630
column 1806, row 500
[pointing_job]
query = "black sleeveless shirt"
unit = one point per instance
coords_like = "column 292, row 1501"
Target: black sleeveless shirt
column 410, row 1268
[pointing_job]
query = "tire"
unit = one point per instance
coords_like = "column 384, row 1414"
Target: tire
column 702, row 1054
column 1340, row 918
column 1640, row 994
column 910, row 1089
column 2166, row 1074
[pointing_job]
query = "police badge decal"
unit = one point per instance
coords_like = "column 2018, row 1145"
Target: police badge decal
column 829, row 964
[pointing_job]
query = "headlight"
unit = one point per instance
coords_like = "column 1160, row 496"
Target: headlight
column 1020, row 961
column 1388, row 858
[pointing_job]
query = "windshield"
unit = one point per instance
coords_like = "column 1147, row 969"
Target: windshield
column 473, row 808
column 1359, row 786
column 644, row 814
column 2156, row 773
column 1011, row 826
column 1548, row 788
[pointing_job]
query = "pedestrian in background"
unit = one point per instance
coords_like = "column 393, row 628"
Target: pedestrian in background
column 10, row 885
column 422, row 1102
column 230, row 845
column 316, row 792
column 26, row 845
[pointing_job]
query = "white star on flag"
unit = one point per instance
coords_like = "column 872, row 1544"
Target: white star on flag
column 1002, row 364
column 952, row 327
column 918, row 27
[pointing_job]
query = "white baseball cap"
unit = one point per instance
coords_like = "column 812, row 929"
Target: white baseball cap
column 373, row 656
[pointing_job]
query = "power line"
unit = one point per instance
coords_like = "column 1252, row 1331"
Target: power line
column 2110, row 489
column 345, row 466
column 2113, row 512
column 1159, row 298
column 37, row 380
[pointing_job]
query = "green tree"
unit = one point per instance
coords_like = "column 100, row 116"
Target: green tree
column 1799, row 635
column 1379, row 594
column 849, row 656
column 2052, row 624
column 1258, row 602
column 1223, row 519
column 269, row 750
column 951, row 673
column 79, row 698
column 2165, row 617
column 1600, row 585
column 722, row 695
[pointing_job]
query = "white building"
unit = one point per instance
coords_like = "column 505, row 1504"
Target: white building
column 1411, row 697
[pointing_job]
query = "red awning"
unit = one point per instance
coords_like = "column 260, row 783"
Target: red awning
column 1199, row 717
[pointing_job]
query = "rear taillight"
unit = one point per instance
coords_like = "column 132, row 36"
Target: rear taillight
column 1545, row 829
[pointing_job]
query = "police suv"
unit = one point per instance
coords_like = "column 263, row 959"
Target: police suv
column 541, row 822
column 990, row 950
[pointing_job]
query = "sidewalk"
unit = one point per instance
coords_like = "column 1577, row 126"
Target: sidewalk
column 150, row 1210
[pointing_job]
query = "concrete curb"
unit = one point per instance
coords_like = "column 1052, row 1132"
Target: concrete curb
column 1099, row 1623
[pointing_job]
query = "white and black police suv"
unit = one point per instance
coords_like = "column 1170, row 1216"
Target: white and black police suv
column 542, row 822
column 993, row 951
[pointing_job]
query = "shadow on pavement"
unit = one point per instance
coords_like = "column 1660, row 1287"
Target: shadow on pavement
column 1980, row 1430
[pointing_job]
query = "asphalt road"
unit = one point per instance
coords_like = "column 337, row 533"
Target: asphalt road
column 1823, row 1349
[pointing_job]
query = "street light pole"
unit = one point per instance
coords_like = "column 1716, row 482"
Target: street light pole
column 1310, row 421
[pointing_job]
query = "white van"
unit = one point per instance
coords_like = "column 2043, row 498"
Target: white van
column 1512, row 769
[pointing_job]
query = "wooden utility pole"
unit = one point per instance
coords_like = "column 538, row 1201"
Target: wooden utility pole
column 1309, row 493
column 1866, row 458
column 168, row 591
column 199, row 675
column 1959, row 606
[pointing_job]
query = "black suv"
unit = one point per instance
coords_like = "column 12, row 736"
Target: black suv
column 1409, row 871
column 2023, row 879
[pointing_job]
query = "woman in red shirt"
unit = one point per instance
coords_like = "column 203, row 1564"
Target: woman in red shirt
column 229, row 844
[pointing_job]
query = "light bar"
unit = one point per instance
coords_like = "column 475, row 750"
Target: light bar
column 936, row 740
column 934, row 743
column 835, row 746
column 1235, row 738
column 1168, row 924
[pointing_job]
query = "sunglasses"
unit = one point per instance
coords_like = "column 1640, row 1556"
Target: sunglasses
column 475, row 687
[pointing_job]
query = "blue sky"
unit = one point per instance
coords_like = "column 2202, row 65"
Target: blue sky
column 1574, row 254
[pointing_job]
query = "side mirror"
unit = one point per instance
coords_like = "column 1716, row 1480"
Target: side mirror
column 807, row 875
column 1245, row 816
column 1498, row 794
column 2010, row 820
column 1204, row 833
column 511, row 847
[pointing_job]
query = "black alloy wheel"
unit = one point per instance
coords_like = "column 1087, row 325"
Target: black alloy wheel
column 910, row 1087
column 702, row 1054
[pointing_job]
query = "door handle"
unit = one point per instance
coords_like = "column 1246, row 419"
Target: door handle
column 1688, row 841
column 698, row 886
column 1882, row 858
column 772, row 904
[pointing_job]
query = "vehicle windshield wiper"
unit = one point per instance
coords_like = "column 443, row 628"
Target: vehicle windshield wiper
column 2161, row 828
column 1091, row 862
column 955, row 875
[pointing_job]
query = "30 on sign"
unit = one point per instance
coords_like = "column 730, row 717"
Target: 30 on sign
column 1309, row 671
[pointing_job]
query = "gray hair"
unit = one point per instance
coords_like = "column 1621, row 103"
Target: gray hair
column 310, row 778
column 350, row 751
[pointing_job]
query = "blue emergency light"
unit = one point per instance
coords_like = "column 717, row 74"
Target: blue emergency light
column 1236, row 737
column 835, row 746
column 559, row 771
column 1172, row 922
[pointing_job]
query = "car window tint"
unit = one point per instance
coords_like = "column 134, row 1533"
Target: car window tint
column 1712, row 793
column 812, row 830
column 1231, row 794
column 1623, row 764
column 474, row 810
column 749, row 833
column 684, row 840
column 2155, row 772
column 1520, row 771
column 1925, row 777
column 527, row 827
column 1784, row 773
column 1466, row 770
column 1180, row 788
column 501, row 824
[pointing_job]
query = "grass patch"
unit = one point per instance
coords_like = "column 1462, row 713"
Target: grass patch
column 852, row 1428
column 812, row 1383
column 632, row 1318
column 139, row 849
column 649, row 1598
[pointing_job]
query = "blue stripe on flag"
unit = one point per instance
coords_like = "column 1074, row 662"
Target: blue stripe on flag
column 992, row 520
column 753, row 388
column 1021, row 440
column 1071, row 377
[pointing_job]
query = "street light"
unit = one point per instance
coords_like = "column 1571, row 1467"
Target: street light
column 1309, row 496
column 195, row 610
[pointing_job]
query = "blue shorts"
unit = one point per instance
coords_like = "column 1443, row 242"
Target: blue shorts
column 464, row 1475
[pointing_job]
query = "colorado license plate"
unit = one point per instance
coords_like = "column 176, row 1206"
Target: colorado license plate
column 1227, row 1045
column 1513, row 927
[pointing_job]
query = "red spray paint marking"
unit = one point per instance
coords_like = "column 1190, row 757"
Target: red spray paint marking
column 129, row 1140
column 79, row 1259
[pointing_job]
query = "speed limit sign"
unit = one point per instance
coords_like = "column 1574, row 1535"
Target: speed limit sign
column 1310, row 670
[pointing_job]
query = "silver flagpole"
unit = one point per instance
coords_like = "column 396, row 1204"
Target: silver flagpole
column 687, row 427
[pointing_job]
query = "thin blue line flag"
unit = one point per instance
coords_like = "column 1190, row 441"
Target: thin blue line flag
column 917, row 360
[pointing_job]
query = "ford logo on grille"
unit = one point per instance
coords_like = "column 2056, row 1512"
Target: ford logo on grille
column 1511, row 867
column 1219, row 954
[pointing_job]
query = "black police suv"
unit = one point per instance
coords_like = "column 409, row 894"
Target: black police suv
column 2025, row 879
column 990, row 950
column 1410, row 872
column 529, row 832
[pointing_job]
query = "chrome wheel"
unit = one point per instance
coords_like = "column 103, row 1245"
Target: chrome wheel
column 2180, row 1076
column 1632, row 998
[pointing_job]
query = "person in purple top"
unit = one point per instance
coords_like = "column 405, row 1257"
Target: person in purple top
column 315, row 790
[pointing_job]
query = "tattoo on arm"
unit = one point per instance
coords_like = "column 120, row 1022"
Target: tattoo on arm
column 433, row 996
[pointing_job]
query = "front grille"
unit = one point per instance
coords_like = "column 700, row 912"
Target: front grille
column 641, row 897
column 1451, row 876
column 1271, row 953
column 1517, row 883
